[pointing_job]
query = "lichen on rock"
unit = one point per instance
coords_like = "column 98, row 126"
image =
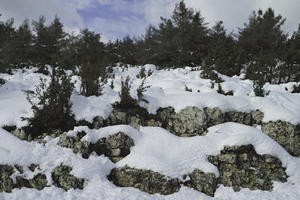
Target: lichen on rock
column 286, row 134
column 62, row 178
column 6, row 182
column 38, row 182
column 116, row 146
column 190, row 121
column 241, row 166
column 202, row 182
column 75, row 143
column 145, row 180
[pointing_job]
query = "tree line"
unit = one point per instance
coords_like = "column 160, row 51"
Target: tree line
column 260, row 49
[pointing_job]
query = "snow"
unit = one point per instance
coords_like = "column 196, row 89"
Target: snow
column 167, row 89
column 155, row 148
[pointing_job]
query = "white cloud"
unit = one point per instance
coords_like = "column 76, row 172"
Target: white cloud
column 112, row 29
column 32, row 9
column 138, row 14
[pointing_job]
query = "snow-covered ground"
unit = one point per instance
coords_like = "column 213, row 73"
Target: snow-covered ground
column 155, row 148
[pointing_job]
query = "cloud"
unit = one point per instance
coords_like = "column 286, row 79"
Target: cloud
column 112, row 29
column 118, row 18
column 32, row 9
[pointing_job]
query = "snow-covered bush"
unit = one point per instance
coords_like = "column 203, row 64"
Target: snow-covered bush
column 51, row 105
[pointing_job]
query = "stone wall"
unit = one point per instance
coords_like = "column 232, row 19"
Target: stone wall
column 239, row 167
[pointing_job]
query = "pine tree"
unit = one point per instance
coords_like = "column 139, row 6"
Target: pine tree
column 18, row 51
column 222, row 52
column 49, row 41
column 291, row 70
column 7, row 32
column 262, row 42
column 178, row 41
column 91, row 54
column 53, row 108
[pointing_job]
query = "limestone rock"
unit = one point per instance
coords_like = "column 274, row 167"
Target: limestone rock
column 215, row 116
column 203, row 182
column 38, row 182
column 20, row 133
column 75, row 143
column 190, row 121
column 6, row 183
column 145, row 180
column 62, row 178
column 98, row 122
column 257, row 117
column 152, row 122
column 241, row 166
column 238, row 117
column 286, row 134
column 33, row 166
column 118, row 117
column 114, row 146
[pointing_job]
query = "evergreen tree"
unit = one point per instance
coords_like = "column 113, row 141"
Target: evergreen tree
column 48, row 41
column 262, row 42
column 53, row 108
column 7, row 33
column 91, row 54
column 178, row 41
column 291, row 70
column 191, row 38
column 126, row 51
column 18, row 51
column 222, row 52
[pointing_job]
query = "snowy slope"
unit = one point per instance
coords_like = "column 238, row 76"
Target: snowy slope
column 167, row 89
column 155, row 148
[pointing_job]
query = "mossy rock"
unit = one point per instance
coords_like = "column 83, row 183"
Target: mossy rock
column 202, row 182
column 145, row 180
column 241, row 166
column 38, row 182
column 6, row 183
column 62, row 178
column 286, row 134
column 115, row 146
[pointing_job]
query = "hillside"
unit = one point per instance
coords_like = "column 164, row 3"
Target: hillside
column 187, row 137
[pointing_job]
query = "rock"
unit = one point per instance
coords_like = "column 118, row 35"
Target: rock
column 117, row 145
column 145, row 180
column 152, row 122
column 19, row 168
column 190, row 121
column 165, row 115
column 20, row 133
column 82, row 147
column 98, row 122
column 33, row 166
column 257, row 117
column 6, row 183
column 202, row 182
column 2, row 81
column 286, row 134
column 135, row 122
column 238, row 117
column 215, row 116
column 62, row 178
column 241, row 166
column 38, row 182
column 118, row 117
column 75, row 143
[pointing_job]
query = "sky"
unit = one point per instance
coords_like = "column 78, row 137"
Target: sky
column 119, row 18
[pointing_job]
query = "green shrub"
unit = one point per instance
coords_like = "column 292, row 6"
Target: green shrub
column 51, row 105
